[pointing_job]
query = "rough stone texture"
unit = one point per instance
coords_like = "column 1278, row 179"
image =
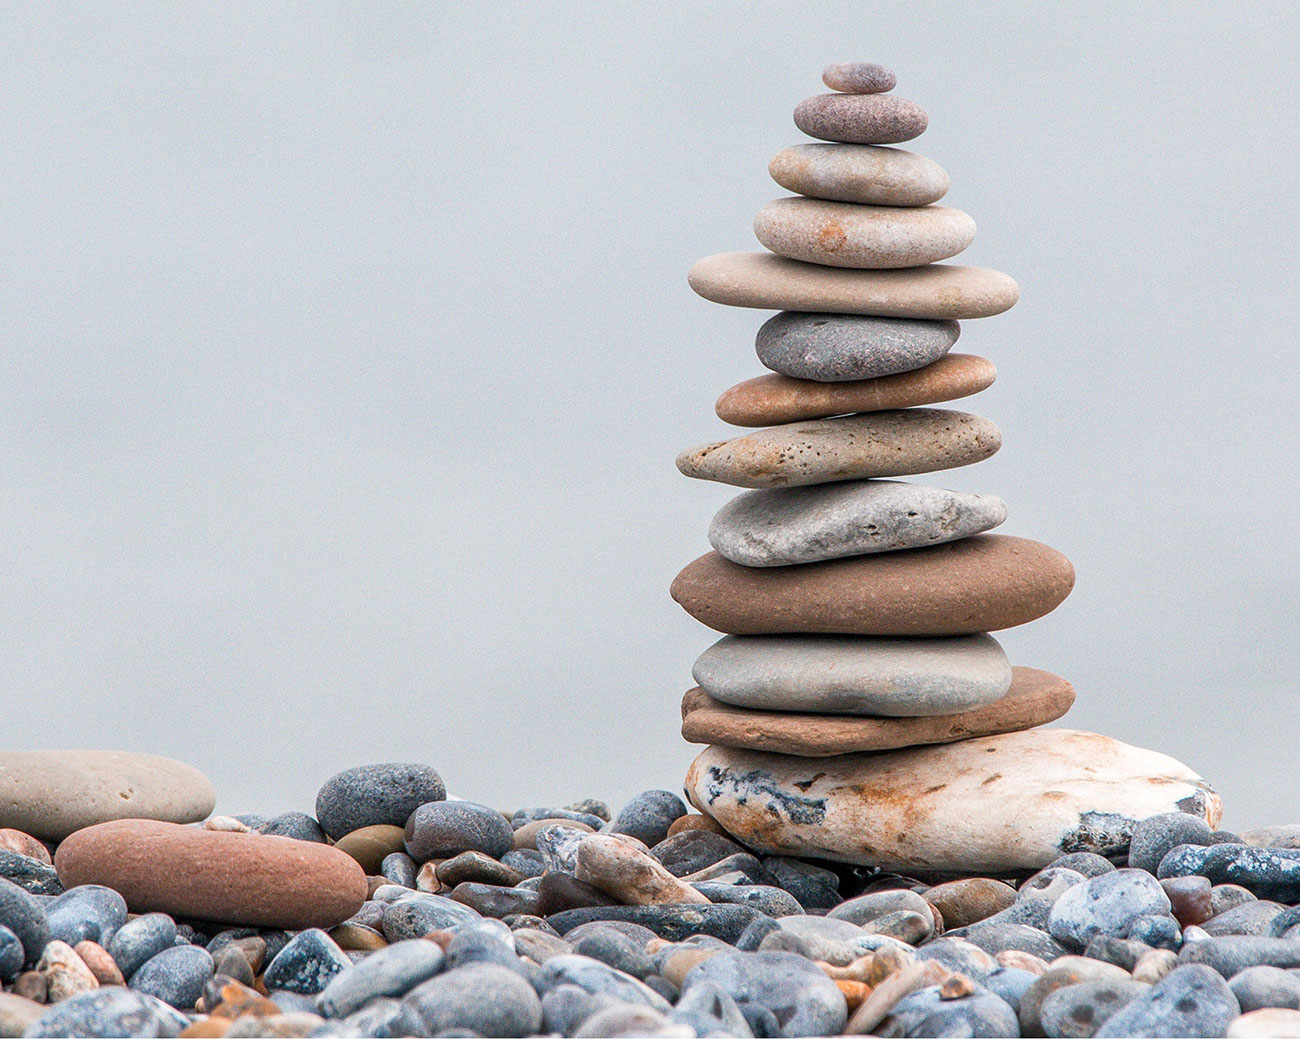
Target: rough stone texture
column 866, row 174
column 246, row 879
column 50, row 794
column 387, row 792
column 978, row 584
column 855, row 675
column 489, row 999
column 775, row 399
column 1107, row 904
column 858, row 77
column 1035, row 699
column 776, row 283
column 1268, row 873
column 1189, row 1001
column 846, row 234
column 440, row 830
column 832, row 348
column 851, row 447
column 783, row 526
column 945, row 807
column 860, row 118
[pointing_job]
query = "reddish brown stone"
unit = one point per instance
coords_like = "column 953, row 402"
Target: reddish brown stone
column 694, row 821
column 100, row 963
column 24, row 844
column 241, row 879
column 1035, row 699
column 978, row 584
column 771, row 400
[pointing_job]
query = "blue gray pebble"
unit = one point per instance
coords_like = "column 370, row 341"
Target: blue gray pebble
column 86, row 912
column 417, row 914
column 24, row 915
column 486, row 998
column 29, row 873
column 175, row 976
column 440, row 830
column 384, row 793
column 1266, row 987
column 1080, row 1010
column 648, row 816
column 297, row 825
column 1107, row 904
column 1192, row 1000
column 925, row 1013
column 108, row 1011
column 391, row 972
column 1156, row 835
column 140, row 939
column 307, row 964
column 802, row 997
column 11, row 955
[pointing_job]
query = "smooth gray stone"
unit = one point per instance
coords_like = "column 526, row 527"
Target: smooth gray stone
column 855, row 675
column 997, row 936
column 91, row 912
column 709, row 1009
column 767, row 899
column 1156, row 835
column 1266, row 987
column 1255, row 918
column 391, row 972
column 415, row 915
column 775, row 527
column 1268, row 873
column 1230, row 954
column 387, row 792
column 1190, row 1001
column 831, row 348
column 873, row 905
column 176, row 976
column 598, row 979
column 307, row 964
column 108, row 1011
column 489, row 999
column 925, row 1013
column 648, row 816
column 1107, row 904
column 1081, row 1009
column 802, row 997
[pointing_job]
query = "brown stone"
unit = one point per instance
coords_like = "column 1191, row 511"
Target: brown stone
column 32, row 986
column 771, row 400
column 1035, row 699
column 694, row 822
column 357, row 937
column 369, row 845
column 775, row 283
column 243, row 879
column 978, row 584
column 23, row 844
column 969, row 900
column 100, row 963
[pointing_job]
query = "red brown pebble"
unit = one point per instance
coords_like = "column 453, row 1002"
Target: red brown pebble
column 1191, row 899
column 230, row 878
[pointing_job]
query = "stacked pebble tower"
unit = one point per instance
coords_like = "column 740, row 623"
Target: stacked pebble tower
column 858, row 707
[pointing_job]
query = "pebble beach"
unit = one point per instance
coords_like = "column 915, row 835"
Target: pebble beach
column 884, row 834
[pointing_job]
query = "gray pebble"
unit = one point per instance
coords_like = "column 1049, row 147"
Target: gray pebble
column 140, row 939
column 383, row 1017
column 1266, row 987
column 566, row 1006
column 648, row 816
column 29, row 873
column 925, row 1013
column 1253, row 918
column 690, row 852
column 1230, row 954
column 86, row 912
column 108, row 1011
column 672, row 921
column 832, row 348
column 1156, row 835
column 384, row 793
column 296, row 825
column 548, row 812
column 599, row 979
column 1089, row 864
column 415, row 915
column 1081, row 1009
column 956, row 954
column 766, row 899
column 1191, row 1000
column 623, row 1020
column 12, row 955
column 175, row 976
column 1160, row 931
column 1268, row 873
column 815, row 887
column 307, row 964
column 441, row 830
column 391, row 972
column 528, row 863
column 24, row 915
column 710, row 1010
column 1010, row 984
column 995, row 937
column 487, row 998
column 1105, row 905
column 1123, row 953
column 802, row 997
column 618, row 951
column 496, row 900
column 399, row 868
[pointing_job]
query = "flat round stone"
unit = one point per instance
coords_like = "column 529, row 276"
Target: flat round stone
column 862, row 173
column 1035, row 699
column 979, row 584
column 852, row 447
column 50, row 794
column 775, row 399
column 861, row 118
column 855, row 675
column 859, row 77
column 780, row 526
column 224, row 876
column 836, row 348
column 845, row 234
column 776, row 283
column 1012, row 802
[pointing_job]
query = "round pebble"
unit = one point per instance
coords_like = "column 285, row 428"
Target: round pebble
column 176, row 976
column 850, row 347
column 440, row 830
column 860, row 118
column 858, row 77
column 385, row 793
column 860, row 174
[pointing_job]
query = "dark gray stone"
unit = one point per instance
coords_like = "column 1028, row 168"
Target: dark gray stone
column 672, row 921
column 693, row 850
column 296, row 825
column 11, row 955
column 836, row 347
column 109, row 1011
column 924, row 1013
column 1268, row 873
column 421, row 913
column 1192, row 1000
column 565, row 1007
column 710, row 1010
column 1080, row 1010
column 1156, row 835
column 1114, row 950
column 399, row 868
column 24, row 915
column 597, row 978
column 766, row 899
column 489, row 999
column 528, row 863
column 1159, row 931
column 802, row 997
column 140, row 939
column 1253, row 918
column 648, row 816
column 384, row 793
column 30, row 873
column 1089, row 864
column 441, row 830
column 86, row 912
column 957, row 954
column 755, row 932
column 618, row 951
column 384, row 1017
column 175, row 976
column 815, row 887
column 307, row 964
column 994, row 937
column 391, row 972
column 496, row 900
column 1230, row 954
column 546, row 812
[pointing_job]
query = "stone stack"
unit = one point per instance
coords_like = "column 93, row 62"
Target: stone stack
column 857, row 706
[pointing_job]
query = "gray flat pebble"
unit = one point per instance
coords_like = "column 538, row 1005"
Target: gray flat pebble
column 831, row 348
column 387, row 792
column 486, row 998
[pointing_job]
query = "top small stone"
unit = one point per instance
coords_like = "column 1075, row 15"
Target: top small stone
column 858, row 77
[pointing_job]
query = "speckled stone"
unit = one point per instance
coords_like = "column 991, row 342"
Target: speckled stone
column 858, row 77
column 632, row 876
column 390, row 972
column 979, row 584
column 967, row 900
column 1108, row 904
column 1035, row 699
column 648, row 816
column 440, row 830
column 775, row 399
column 671, row 921
column 1190, row 1001
column 489, row 999
column 937, row 808
column 780, row 526
column 24, row 915
column 176, row 976
column 852, row 447
column 50, row 794
column 855, row 675
column 776, row 283
column 804, row 1000
column 307, row 964
column 1268, row 873
column 846, row 234
column 860, row 118
column 384, row 793
column 850, row 347
column 859, row 173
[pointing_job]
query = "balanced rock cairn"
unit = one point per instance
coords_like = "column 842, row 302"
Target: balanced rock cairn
column 858, row 708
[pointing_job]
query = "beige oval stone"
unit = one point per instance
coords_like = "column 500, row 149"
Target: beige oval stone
column 50, row 794
column 980, row 584
column 1266, row 1022
column 1035, row 699
column 241, row 879
column 629, row 874
column 772, row 400
column 776, row 283
column 369, row 845
column 852, row 447
column 1007, row 803
column 869, row 174
column 846, row 234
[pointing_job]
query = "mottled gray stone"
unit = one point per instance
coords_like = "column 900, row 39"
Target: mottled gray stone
column 599, row 979
column 925, row 1013
column 415, row 915
column 307, row 964
column 774, row 527
column 390, row 972
column 175, row 976
column 1230, row 954
column 27, row 872
column 1266, row 987
column 91, row 912
column 140, row 939
column 387, row 792
column 1081, row 1009
column 801, row 996
column 1268, row 873
column 489, row 999
column 24, row 915
column 1156, row 835
column 648, row 816
column 855, row 675
column 108, row 1011
column 831, row 348
column 1190, row 1001
column 441, row 830
column 1105, row 905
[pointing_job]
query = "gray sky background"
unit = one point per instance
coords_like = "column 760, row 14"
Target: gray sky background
column 348, row 347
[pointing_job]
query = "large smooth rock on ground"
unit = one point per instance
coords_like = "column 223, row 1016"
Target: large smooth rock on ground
column 979, row 584
column 50, row 794
column 863, row 173
column 774, row 399
column 860, row 118
column 855, row 675
column 838, row 347
column 776, row 283
column 223, row 876
column 846, row 234
column 852, row 447
column 1007, row 803
column 1035, row 699
column 781, row 526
